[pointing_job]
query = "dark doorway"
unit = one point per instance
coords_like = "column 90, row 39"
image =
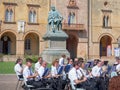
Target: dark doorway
column 72, row 46
column 5, row 45
column 105, row 46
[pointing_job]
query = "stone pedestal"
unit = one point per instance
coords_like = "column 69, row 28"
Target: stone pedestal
column 55, row 45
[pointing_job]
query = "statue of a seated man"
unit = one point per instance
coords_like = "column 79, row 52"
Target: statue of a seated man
column 54, row 19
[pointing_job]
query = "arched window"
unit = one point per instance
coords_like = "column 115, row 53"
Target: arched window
column 105, row 21
column 27, row 44
column 32, row 17
column 8, row 15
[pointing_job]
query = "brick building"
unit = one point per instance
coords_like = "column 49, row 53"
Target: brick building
column 22, row 26
column 104, row 28
column 92, row 26
column 75, row 24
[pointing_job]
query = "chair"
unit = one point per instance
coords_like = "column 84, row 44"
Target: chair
column 67, row 68
column 60, row 70
column 28, row 87
column 19, row 82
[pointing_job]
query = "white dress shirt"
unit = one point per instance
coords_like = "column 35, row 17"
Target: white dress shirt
column 18, row 69
column 118, row 67
column 73, row 75
column 41, row 71
column 27, row 72
column 53, row 71
column 96, row 71
column 61, row 61
column 37, row 66
column 81, row 72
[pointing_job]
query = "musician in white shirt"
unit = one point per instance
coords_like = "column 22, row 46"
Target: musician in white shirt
column 38, row 64
column 62, row 60
column 118, row 67
column 18, row 68
column 54, row 68
column 73, row 75
column 28, row 73
column 43, row 71
column 81, row 70
column 97, row 70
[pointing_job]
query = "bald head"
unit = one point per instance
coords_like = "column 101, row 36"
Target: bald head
column 44, row 63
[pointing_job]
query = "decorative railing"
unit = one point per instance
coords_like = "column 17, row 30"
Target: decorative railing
column 66, row 26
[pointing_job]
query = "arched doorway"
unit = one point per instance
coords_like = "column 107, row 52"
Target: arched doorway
column 105, row 46
column 8, row 43
column 31, row 44
column 72, row 43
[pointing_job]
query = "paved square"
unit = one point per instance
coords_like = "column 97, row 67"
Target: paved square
column 8, row 82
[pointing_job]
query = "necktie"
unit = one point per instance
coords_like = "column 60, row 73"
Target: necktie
column 77, row 75
column 100, row 71
column 30, row 71
column 63, row 62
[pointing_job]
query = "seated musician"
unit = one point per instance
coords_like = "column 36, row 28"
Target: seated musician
column 74, row 77
column 58, row 75
column 54, row 67
column 82, row 71
column 19, row 68
column 68, row 66
column 97, row 70
column 28, row 73
column 43, row 71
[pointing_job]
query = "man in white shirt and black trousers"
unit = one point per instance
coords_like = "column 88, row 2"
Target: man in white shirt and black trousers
column 43, row 71
column 18, row 68
column 28, row 74
column 74, row 77
column 97, row 70
column 38, row 64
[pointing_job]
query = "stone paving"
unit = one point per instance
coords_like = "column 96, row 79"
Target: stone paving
column 8, row 82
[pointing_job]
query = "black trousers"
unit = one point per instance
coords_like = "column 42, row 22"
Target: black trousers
column 20, row 76
column 36, row 84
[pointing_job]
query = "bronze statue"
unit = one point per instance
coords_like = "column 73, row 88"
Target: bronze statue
column 54, row 19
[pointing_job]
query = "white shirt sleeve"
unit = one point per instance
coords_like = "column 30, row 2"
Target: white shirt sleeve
column 96, row 71
column 118, row 67
column 37, row 66
column 25, row 73
column 18, row 69
column 61, row 61
column 41, row 71
column 72, row 76
column 79, row 74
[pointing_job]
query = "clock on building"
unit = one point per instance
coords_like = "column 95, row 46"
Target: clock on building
column 5, row 38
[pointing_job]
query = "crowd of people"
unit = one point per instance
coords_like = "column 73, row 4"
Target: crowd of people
column 74, row 74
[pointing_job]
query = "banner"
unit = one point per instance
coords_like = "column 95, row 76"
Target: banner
column 21, row 26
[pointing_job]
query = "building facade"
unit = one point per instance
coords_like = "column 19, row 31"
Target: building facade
column 75, row 24
column 93, row 26
column 22, row 26
column 104, row 28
